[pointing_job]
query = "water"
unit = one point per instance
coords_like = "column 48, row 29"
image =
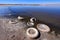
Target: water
column 26, row 10
column 49, row 14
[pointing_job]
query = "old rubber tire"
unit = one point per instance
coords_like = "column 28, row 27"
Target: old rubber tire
column 43, row 27
column 34, row 35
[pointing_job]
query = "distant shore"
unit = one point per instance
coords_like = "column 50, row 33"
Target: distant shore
column 30, row 4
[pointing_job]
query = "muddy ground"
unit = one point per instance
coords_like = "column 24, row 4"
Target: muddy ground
column 17, row 31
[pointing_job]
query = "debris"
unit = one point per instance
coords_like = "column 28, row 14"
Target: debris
column 30, row 23
column 19, row 17
column 32, row 32
column 12, row 21
column 43, row 27
column 32, row 19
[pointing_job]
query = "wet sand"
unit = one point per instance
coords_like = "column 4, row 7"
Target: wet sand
column 17, row 31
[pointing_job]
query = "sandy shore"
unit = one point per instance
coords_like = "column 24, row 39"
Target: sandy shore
column 17, row 31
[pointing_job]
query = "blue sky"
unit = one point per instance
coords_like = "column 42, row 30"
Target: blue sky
column 28, row 1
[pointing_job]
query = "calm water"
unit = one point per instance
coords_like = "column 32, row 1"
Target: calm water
column 46, row 14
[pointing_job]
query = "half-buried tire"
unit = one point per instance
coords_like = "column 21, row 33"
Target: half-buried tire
column 32, row 32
